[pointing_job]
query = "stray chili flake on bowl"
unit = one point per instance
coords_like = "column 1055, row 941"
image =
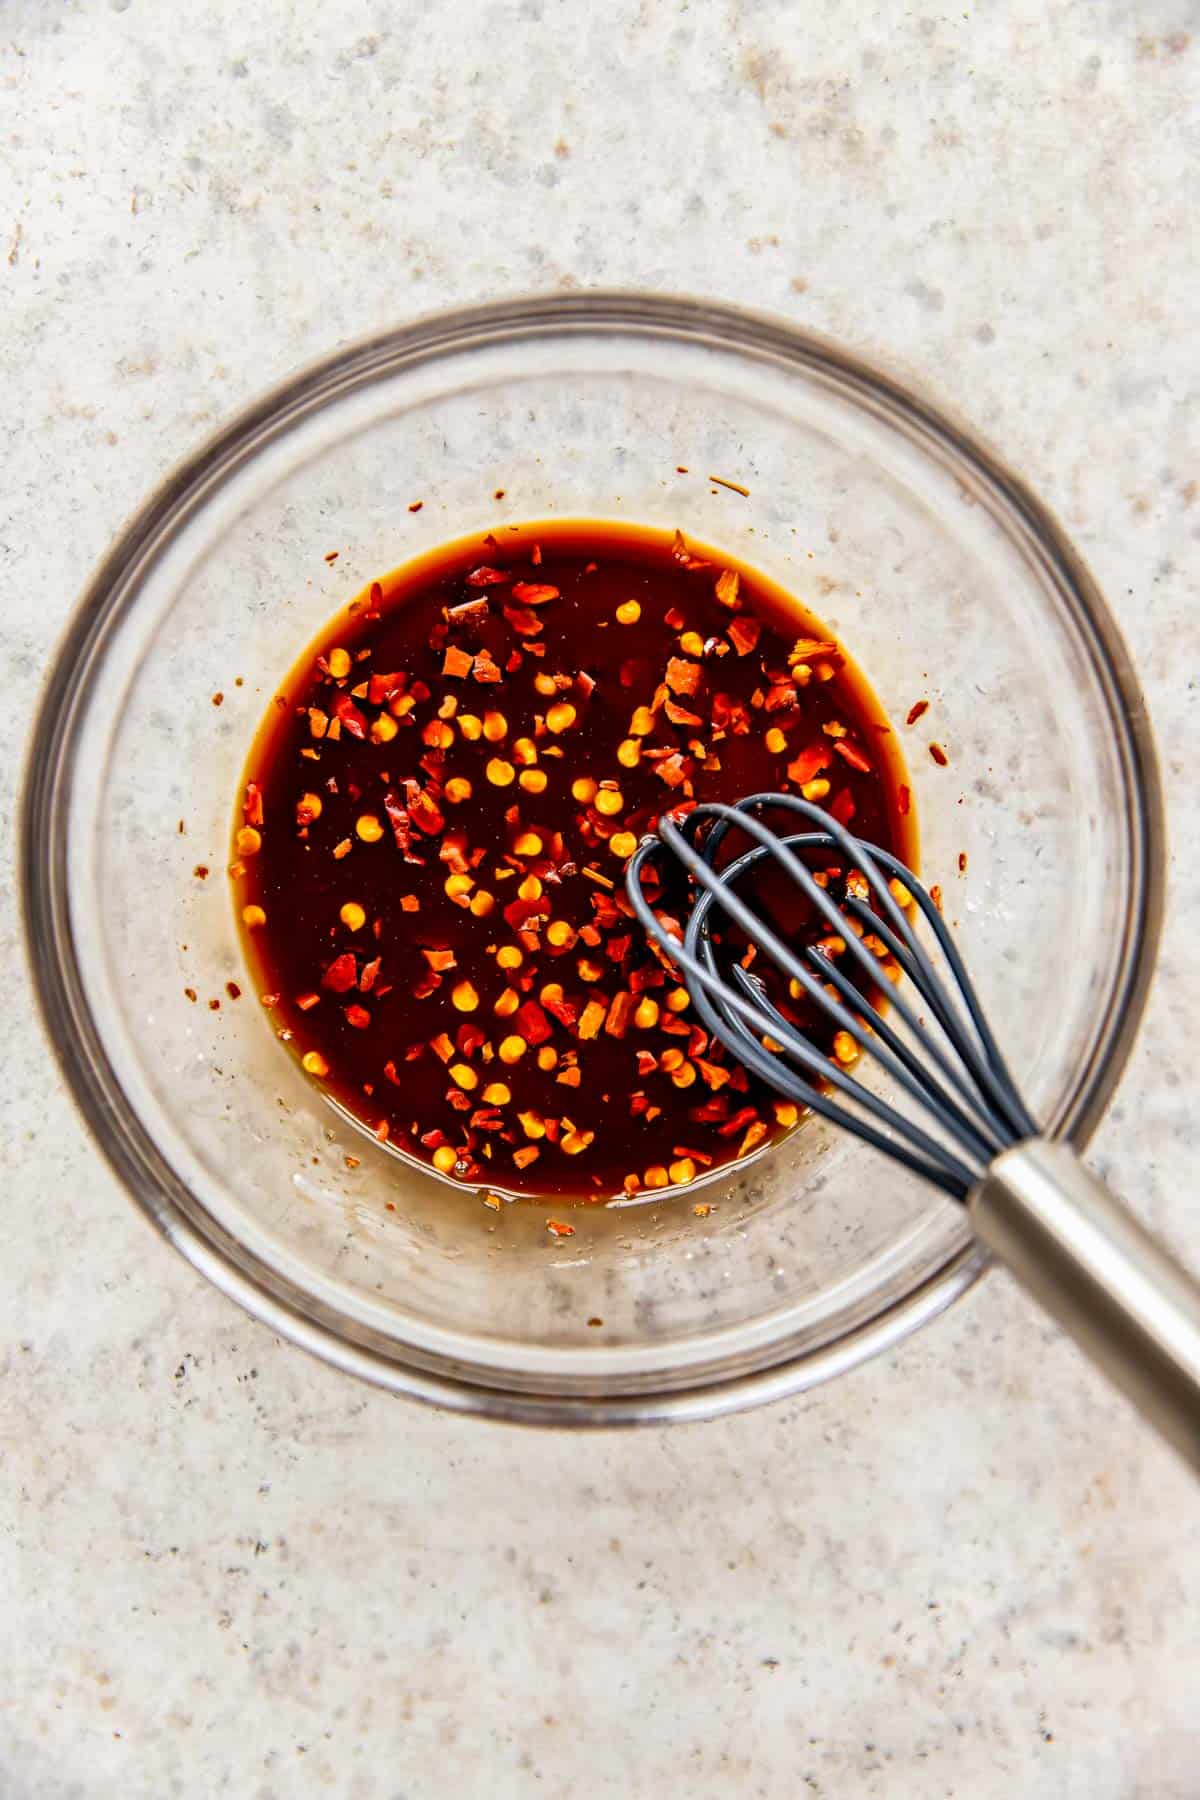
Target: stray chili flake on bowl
column 430, row 841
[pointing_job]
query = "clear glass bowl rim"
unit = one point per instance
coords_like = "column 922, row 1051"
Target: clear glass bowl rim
column 131, row 1153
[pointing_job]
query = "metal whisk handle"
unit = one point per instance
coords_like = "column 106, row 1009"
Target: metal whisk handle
column 1102, row 1276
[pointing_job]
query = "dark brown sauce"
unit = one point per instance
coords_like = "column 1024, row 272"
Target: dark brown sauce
column 576, row 1051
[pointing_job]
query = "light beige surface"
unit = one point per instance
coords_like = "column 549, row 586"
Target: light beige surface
column 963, row 1571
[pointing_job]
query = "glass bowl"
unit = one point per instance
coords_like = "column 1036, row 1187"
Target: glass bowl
column 948, row 581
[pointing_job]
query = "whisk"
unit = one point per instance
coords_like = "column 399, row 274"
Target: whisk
column 959, row 1122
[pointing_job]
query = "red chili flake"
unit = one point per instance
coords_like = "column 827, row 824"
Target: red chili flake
column 389, row 1070
column 252, row 807
column 558, row 1229
column 935, row 894
column 714, row 1076
column 619, row 1014
column 342, row 973
column 350, row 718
column 962, row 862
column 585, row 683
column 683, row 555
column 534, row 593
column 485, row 577
column 358, row 1016
column 523, row 622
column 678, row 715
column 531, row 1023
column 808, row 764
column 485, row 668
column 746, row 1116
column 366, row 980
column 513, row 661
column 190, row 994
column 535, row 555
column 647, row 1062
column 565, row 1011
column 779, row 695
column 915, row 711
column 422, row 810
column 617, row 948
column 470, row 1038
column 433, row 1139
column 519, row 912
column 306, row 1002
column 805, row 648
column 439, row 960
column 409, row 903
column 682, row 675
column 853, row 755
column 709, row 1111
column 400, row 822
column 456, row 662
column 842, row 807
column 201, row 871
column 674, row 769
column 382, row 688
column 458, row 1100
column 939, row 755
column 467, row 612
column 903, row 799
column 744, row 634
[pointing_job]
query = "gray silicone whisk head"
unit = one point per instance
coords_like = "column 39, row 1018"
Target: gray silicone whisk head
column 941, row 1054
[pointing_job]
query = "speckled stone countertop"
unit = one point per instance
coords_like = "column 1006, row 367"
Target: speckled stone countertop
column 961, row 1571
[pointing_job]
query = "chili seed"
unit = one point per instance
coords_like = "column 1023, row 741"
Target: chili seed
column 465, row 999
column 495, row 727
column 339, row 663
column 368, row 828
column 253, row 917
column 470, row 726
column 628, row 613
column 314, row 1063
column 499, row 772
column 512, row 1049
column 560, row 717
column 583, row 789
column 608, row 800
column 457, row 789
column 248, row 841
column 534, row 781
column 443, row 1159
column 353, row 915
